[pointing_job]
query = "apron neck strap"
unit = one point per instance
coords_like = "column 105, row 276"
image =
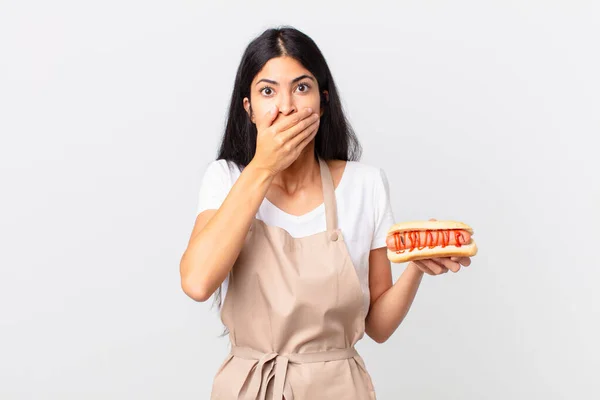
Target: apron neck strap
column 328, row 195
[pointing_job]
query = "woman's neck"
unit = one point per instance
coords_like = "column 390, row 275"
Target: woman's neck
column 302, row 173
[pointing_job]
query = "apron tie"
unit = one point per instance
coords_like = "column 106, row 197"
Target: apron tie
column 257, row 388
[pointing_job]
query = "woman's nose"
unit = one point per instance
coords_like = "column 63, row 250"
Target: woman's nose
column 286, row 105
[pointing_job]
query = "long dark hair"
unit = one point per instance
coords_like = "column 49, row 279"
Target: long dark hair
column 335, row 139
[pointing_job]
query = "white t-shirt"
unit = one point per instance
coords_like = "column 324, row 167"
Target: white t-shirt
column 363, row 202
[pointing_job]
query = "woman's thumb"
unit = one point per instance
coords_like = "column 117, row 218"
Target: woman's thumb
column 268, row 119
column 272, row 113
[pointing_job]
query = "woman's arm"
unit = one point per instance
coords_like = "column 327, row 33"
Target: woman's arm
column 218, row 235
column 389, row 303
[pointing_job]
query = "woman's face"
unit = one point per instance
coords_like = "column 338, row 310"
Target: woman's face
column 285, row 83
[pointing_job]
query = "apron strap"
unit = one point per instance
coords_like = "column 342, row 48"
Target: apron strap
column 328, row 196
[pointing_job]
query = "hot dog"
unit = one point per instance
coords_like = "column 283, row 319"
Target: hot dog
column 416, row 240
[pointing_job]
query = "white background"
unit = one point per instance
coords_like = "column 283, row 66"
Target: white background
column 485, row 112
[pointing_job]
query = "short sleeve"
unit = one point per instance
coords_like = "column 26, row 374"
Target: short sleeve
column 383, row 213
column 214, row 187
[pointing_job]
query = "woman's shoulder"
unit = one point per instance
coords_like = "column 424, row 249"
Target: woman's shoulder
column 368, row 179
column 364, row 167
column 222, row 164
column 222, row 169
column 359, row 171
column 217, row 179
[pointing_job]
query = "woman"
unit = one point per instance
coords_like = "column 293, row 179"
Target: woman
column 290, row 235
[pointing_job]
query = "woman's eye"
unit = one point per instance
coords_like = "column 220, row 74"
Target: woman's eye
column 267, row 91
column 303, row 87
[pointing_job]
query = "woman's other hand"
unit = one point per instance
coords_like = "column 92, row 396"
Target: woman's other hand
column 441, row 265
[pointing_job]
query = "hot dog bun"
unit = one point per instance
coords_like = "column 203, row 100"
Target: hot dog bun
column 420, row 252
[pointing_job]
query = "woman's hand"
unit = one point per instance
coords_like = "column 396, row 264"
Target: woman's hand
column 441, row 265
column 280, row 143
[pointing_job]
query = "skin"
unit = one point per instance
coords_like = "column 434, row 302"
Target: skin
column 283, row 97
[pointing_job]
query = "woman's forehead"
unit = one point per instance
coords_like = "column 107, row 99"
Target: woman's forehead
column 282, row 70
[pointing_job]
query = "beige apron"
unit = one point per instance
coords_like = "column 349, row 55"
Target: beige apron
column 294, row 310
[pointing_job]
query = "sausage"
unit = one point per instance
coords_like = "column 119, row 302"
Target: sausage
column 400, row 241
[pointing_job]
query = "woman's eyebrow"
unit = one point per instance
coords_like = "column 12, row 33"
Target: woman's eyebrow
column 272, row 82
column 303, row 77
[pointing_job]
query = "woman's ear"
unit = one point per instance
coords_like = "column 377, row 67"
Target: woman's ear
column 324, row 100
column 248, row 109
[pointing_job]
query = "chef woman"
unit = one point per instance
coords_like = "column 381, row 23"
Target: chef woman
column 290, row 234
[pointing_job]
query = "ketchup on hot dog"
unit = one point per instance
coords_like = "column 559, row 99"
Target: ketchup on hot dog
column 401, row 241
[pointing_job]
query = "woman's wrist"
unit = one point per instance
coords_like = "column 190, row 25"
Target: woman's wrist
column 263, row 172
column 414, row 269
